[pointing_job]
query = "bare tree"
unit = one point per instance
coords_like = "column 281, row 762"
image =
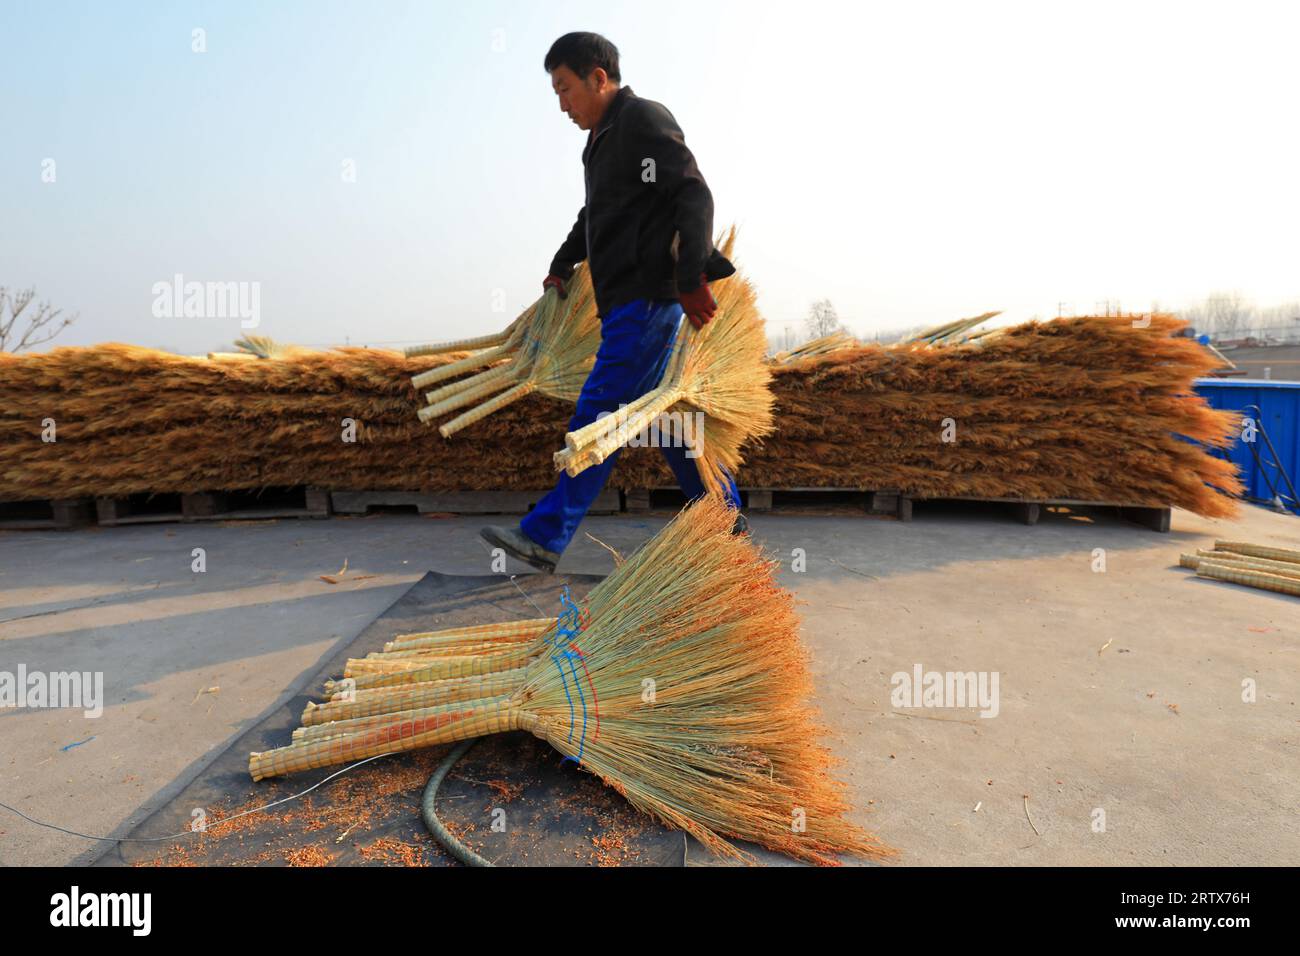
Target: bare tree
column 822, row 319
column 21, row 328
column 1222, row 314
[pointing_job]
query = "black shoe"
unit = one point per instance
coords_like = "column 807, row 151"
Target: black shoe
column 741, row 526
column 520, row 547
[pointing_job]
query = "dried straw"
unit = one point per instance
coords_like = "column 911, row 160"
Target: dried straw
column 1092, row 408
column 687, row 690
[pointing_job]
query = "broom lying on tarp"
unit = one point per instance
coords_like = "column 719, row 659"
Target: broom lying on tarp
column 550, row 349
column 719, row 369
column 682, row 683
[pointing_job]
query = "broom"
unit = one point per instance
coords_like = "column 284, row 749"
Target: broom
column 554, row 361
column 549, row 350
column 841, row 339
column 487, row 350
column 346, row 702
column 1257, row 579
column 1284, row 568
column 686, row 690
column 467, row 345
column 719, row 370
column 1259, row 551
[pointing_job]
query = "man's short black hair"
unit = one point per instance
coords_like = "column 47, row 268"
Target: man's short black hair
column 582, row 53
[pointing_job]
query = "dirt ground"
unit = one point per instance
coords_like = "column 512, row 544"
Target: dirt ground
column 1126, row 731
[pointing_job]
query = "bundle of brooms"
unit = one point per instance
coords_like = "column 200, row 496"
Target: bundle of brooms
column 723, row 745
column 1253, row 565
column 719, row 369
column 548, row 349
column 818, row 346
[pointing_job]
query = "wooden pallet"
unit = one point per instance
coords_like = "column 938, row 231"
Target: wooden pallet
column 457, row 502
column 1155, row 517
column 235, row 506
column 212, row 506
column 893, row 502
column 762, row 500
column 59, row 514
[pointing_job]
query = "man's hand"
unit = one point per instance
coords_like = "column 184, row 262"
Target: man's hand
column 699, row 305
column 558, row 283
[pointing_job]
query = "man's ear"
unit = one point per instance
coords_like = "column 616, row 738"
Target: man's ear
column 599, row 78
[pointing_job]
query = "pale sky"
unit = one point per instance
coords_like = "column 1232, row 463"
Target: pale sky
column 912, row 162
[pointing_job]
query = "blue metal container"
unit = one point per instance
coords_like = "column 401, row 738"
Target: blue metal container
column 1276, row 406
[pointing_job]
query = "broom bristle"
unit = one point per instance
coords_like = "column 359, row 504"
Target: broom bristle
column 727, row 742
column 721, row 372
column 686, row 689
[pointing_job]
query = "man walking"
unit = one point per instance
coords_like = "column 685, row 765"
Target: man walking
column 646, row 231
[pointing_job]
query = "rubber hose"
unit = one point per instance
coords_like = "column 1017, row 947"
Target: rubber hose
column 428, row 813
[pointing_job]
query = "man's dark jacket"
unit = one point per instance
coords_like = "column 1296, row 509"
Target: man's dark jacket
column 643, row 192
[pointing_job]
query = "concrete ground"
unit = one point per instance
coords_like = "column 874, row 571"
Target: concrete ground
column 1120, row 710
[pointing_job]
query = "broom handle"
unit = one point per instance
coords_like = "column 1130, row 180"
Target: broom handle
column 443, row 669
column 464, row 384
column 499, row 660
column 1254, row 579
column 450, row 723
column 357, row 725
column 465, row 345
column 436, row 686
column 1281, row 568
column 588, row 433
column 406, row 653
column 467, row 397
column 459, row 345
column 574, row 462
column 615, row 438
column 452, row 369
column 413, row 695
column 1286, row 567
column 477, row 631
column 581, row 463
column 1258, row 550
column 486, row 409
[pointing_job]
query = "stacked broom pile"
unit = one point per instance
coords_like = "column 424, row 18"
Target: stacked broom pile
column 1086, row 408
column 725, row 744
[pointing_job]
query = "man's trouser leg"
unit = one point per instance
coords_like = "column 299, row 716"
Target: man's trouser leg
column 688, row 474
column 635, row 340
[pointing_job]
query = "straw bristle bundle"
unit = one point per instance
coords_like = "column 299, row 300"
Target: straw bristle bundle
column 719, row 370
column 687, row 690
